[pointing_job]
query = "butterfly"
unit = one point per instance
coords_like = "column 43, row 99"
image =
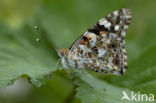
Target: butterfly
column 102, row 47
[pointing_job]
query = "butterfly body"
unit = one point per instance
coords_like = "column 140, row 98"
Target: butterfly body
column 102, row 47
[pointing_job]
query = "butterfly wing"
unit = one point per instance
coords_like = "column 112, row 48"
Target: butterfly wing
column 102, row 47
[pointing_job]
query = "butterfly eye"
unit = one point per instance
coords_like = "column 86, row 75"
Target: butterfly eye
column 116, row 61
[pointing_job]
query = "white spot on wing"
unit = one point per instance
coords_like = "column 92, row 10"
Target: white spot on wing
column 123, row 33
column 101, row 52
column 108, row 41
column 112, row 35
column 119, row 39
column 116, row 27
column 82, row 47
column 126, row 13
column 115, row 13
column 92, row 42
column 105, row 23
column 93, row 38
column 110, row 61
column 85, row 33
column 125, row 27
column 91, row 35
column 104, row 37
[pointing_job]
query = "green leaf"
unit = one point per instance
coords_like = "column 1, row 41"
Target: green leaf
column 21, row 55
column 57, row 90
column 93, row 90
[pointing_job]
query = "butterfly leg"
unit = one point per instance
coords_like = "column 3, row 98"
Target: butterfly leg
column 87, row 81
column 86, row 62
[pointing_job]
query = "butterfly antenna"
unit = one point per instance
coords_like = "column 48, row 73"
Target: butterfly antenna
column 57, row 63
column 39, row 32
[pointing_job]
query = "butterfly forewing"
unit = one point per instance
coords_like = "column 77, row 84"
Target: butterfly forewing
column 102, row 47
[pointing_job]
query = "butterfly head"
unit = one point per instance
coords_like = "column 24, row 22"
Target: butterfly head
column 62, row 52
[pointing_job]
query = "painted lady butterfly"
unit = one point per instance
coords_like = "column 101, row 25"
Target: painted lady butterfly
column 102, row 47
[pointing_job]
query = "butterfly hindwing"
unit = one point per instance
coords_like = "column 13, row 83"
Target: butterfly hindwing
column 102, row 47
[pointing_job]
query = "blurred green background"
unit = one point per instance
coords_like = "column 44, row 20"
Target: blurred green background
column 61, row 23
